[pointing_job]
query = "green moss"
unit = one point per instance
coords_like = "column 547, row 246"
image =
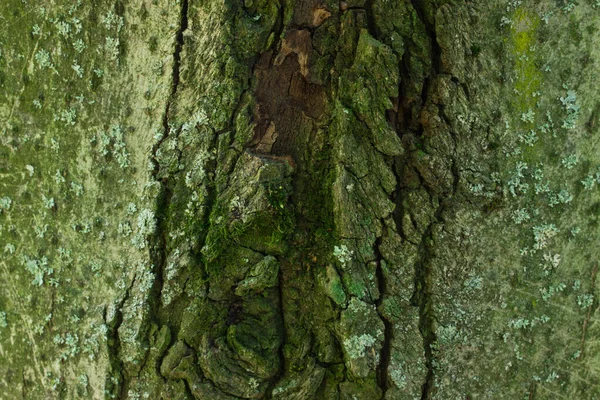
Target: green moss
column 523, row 39
column 331, row 284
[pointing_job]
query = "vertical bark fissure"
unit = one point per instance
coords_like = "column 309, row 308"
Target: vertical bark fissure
column 422, row 299
column 175, row 78
column 385, row 353
column 275, row 380
column 371, row 25
column 386, row 348
column 408, row 120
column 158, row 252
column 166, row 193
column 183, row 24
column 277, row 31
column 187, row 389
column 113, row 350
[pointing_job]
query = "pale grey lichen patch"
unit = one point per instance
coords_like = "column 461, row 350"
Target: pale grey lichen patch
column 5, row 203
column 357, row 346
column 343, row 254
column 39, row 268
column 361, row 333
column 146, row 226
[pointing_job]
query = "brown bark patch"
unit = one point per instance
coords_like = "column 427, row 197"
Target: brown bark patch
column 320, row 14
column 288, row 104
column 310, row 13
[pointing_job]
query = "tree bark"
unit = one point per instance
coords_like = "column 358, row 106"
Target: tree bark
column 310, row 199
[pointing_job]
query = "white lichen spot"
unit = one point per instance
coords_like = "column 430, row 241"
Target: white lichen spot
column 43, row 59
column 5, row 203
column 542, row 233
column 77, row 188
column 552, row 261
column 38, row 268
column 585, row 301
column 131, row 209
column 48, row 202
column 124, row 229
column 570, row 161
column 570, row 105
column 343, row 254
column 356, row 346
column 589, row 182
column 520, row 216
column 69, row 117
column 398, row 377
column 112, row 47
column 78, row 69
column 146, row 225
column 529, row 116
column 79, row 46
column 113, row 141
column 9, row 248
column 58, row 177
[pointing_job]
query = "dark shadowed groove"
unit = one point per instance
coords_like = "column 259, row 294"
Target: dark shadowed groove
column 116, row 363
column 383, row 366
column 436, row 50
column 175, row 78
column 166, row 193
column 188, row 389
column 422, row 299
column 408, row 122
column 158, row 250
column 385, row 353
column 281, row 372
column 371, row 26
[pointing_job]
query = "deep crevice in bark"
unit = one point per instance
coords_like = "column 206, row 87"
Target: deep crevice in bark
column 159, row 248
column 275, row 380
column 113, row 350
column 175, row 78
column 188, row 389
column 422, row 299
column 371, row 26
column 385, row 353
column 166, row 192
column 183, row 25
column 408, row 122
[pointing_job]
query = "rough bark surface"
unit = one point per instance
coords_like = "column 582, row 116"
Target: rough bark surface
column 299, row 199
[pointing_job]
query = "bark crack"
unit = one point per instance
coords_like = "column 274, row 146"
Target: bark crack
column 385, row 353
column 113, row 336
column 275, row 380
column 166, row 193
column 175, row 78
column 410, row 127
column 422, row 299
column 159, row 250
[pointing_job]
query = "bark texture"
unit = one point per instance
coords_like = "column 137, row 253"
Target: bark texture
column 299, row 199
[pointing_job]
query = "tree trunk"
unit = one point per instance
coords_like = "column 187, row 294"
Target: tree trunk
column 310, row 199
